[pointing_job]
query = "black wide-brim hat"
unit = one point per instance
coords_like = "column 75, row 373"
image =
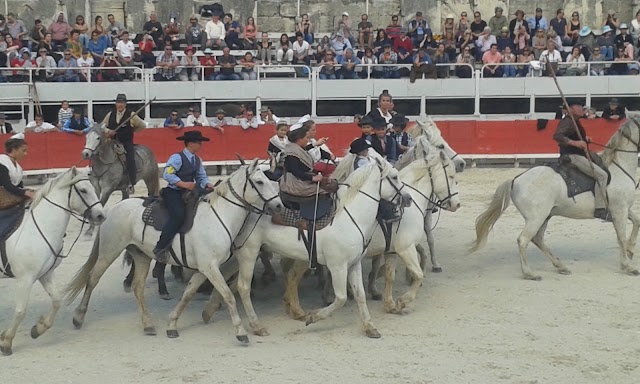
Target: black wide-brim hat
column 399, row 120
column 359, row 145
column 192, row 137
column 121, row 97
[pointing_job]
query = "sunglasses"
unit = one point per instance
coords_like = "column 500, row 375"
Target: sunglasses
column 596, row 50
column 67, row 54
column 174, row 114
column 464, row 15
column 168, row 49
column 394, row 19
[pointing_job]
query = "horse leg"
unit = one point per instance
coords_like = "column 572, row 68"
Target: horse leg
column 269, row 274
column 177, row 273
column 410, row 258
column 531, row 227
column 23, row 291
column 631, row 244
column 196, row 280
column 143, row 264
column 620, row 225
column 389, row 278
column 435, row 266
column 376, row 263
column 158, row 273
column 129, row 279
column 45, row 322
column 291, row 298
column 339, row 282
column 328, row 296
column 357, row 286
column 538, row 240
column 245, row 276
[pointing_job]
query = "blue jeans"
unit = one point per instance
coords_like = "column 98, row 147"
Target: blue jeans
column 309, row 38
column 232, row 76
column 327, row 77
column 524, row 71
column 391, row 74
column 84, row 40
column 67, row 79
column 509, row 71
column 344, row 74
column 607, row 52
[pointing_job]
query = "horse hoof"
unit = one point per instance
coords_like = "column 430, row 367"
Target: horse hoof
column 634, row 272
column 243, row 339
column 436, row 269
column 34, row 332
column 533, row 277
column 206, row 318
column 77, row 323
column 150, row 331
column 261, row 332
column 309, row 319
column 372, row 333
column 172, row 333
column 127, row 286
column 376, row 296
column 564, row 271
column 7, row 351
column 165, row 296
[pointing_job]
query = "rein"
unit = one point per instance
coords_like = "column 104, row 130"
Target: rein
column 637, row 144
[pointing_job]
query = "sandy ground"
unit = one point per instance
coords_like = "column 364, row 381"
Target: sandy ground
column 477, row 322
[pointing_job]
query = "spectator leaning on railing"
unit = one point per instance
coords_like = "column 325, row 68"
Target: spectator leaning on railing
column 248, row 63
column 422, row 64
column 208, row 61
column 550, row 57
column 348, row 63
column 22, row 62
column 388, row 57
column 328, row 67
column 109, row 61
column 190, row 66
column 39, row 125
column 197, row 118
column 67, row 71
column 228, row 64
column 220, row 120
column 166, row 65
column 249, row 121
column 45, row 61
column 491, row 59
column 78, row 124
column 465, row 57
column 173, row 121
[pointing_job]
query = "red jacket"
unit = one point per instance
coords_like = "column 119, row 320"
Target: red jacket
column 203, row 61
column 406, row 44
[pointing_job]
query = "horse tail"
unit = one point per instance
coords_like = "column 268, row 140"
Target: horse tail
column 488, row 218
column 81, row 278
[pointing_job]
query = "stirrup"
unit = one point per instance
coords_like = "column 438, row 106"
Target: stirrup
column 602, row 214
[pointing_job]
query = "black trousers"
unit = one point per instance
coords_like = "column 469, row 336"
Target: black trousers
column 131, row 160
column 175, row 206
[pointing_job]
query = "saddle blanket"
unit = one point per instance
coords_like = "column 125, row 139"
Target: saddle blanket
column 156, row 213
column 578, row 182
column 293, row 218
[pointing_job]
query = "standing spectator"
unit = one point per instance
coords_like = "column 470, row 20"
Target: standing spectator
column 404, row 48
column 39, row 125
column 538, row 21
column 328, row 67
column 518, row 23
column 478, row 25
column 449, row 25
column 340, row 44
column 465, row 57
column 441, row 57
column 228, row 64
column 371, row 61
column 524, row 61
column 173, row 121
column 59, row 30
column 147, row 46
column 550, row 57
column 232, row 32
column 194, row 34
column 154, row 28
column 365, row 32
column 249, row 121
column 115, row 29
column 216, row 32
column 344, row 28
column 380, row 41
column 208, row 62
column 248, row 62
column 484, row 42
column 497, row 21
column 250, row 34
column 4, row 126
column 463, row 25
column 37, row 34
column 611, row 21
column 78, row 124
column 348, row 62
column 508, row 58
column 573, row 28
column 17, row 29
column 586, row 41
column 190, row 68
column 109, row 61
column 615, row 111
column 418, row 28
column 623, row 37
column 559, row 25
column 521, row 40
column 596, row 69
column 74, row 44
column 45, row 61
column 577, row 65
column 504, row 40
column 264, row 49
column 172, row 34
column 24, row 63
column 125, row 50
column 85, row 61
column 306, row 28
column 389, row 58
column 539, row 43
column 197, row 119
column 64, row 73
column 606, row 42
column 301, row 50
column 82, row 27
column 65, row 113
column 97, row 46
column 491, row 59
column 635, row 28
column 166, row 65
column 394, row 30
column 422, row 64
column 219, row 121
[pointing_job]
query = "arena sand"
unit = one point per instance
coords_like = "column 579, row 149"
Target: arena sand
column 477, row 322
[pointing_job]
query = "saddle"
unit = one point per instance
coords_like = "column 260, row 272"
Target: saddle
column 10, row 220
column 577, row 181
column 156, row 213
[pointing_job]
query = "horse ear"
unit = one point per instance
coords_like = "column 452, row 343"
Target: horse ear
column 443, row 157
column 242, row 162
column 254, row 165
column 74, row 171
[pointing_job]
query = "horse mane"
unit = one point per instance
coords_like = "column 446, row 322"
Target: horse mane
column 417, row 170
column 60, row 181
column 618, row 138
column 357, row 180
column 223, row 189
column 344, row 168
column 422, row 146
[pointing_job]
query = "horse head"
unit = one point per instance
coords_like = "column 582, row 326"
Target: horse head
column 262, row 190
column 443, row 180
column 391, row 188
column 429, row 129
column 93, row 140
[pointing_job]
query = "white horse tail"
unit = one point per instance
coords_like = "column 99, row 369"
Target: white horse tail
column 488, row 218
column 81, row 278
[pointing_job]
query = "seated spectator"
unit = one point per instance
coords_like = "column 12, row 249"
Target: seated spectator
column 615, row 111
column 228, row 64
column 166, row 64
column 242, row 111
column 147, row 46
column 504, row 40
column 301, row 50
column 508, row 58
column 267, row 116
column 39, row 125
column 348, row 63
column 328, row 67
column 422, row 64
column 154, row 28
column 519, row 23
column 5, row 127
column 538, row 21
column 97, row 46
column 550, row 57
column 285, row 53
column 125, row 50
column 597, row 69
column 220, row 120
column 45, row 61
column 249, row 121
column 371, row 61
column 429, row 43
column 606, row 42
column 343, row 27
column 24, row 63
column 485, row 41
column 264, row 49
column 60, row 31
column 78, row 124
column 190, row 66
column 539, row 43
column 82, row 27
column 248, row 62
column 524, row 61
column 498, row 22
column 629, row 51
column 65, row 113
column 208, row 62
column 490, row 59
column 13, row 47
column 465, row 57
column 74, row 44
column 450, row 46
column 174, row 121
column 478, row 25
column 389, row 59
column 46, row 43
column 67, row 72
column 37, row 34
column 577, row 65
column 557, row 41
column 393, row 31
column 365, row 32
column 250, row 34
column 216, row 32
column 197, row 119
column 623, row 37
column 521, row 39
column 232, row 32
column 306, row 28
column 194, row 34
column 573, row 28
column 172, row 33
column 466, row 40
column 559, row 26
column 381, row 40
column 620, row 67
column 462, row 25
column 403, row 47
column 586, row 41
column 611, row 21
column 109, row 61
column 418, row 28
column 441, row 57
column 115, row 29
column 86, row 61
column 340, row 44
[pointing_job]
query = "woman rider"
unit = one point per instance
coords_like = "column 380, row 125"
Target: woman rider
column 12, row 192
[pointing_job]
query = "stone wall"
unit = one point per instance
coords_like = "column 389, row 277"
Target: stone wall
column 281, row 15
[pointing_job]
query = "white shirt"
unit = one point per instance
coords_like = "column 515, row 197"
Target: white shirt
column 15, row 170
column 484, row 42
column 253, row 123
column 215, row 122
column 41, row 128
column 85, row 63
column 215, row 31
column 192, row 120
column 126, row 49
column 300, row 49
column 550, row 57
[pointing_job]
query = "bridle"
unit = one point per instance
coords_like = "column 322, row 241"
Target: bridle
column 637, row 144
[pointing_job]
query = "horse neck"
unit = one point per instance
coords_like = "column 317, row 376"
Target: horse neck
column 105, row 148
column 628, row 160
column 424, row 185
column 51, row 220
column 232, row 214
column 362, row 205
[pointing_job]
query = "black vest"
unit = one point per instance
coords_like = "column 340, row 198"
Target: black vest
column 77, row 125
column 570, row 149
column 124, row 133
column 187, row 171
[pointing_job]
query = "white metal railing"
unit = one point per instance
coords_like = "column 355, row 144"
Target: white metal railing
column 562, row 65
column 261, row 71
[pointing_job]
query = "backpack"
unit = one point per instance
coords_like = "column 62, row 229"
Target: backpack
column 209, row 10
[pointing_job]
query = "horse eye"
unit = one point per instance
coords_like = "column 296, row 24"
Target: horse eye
column 441, row 146
column 83, row 190
column 395, row 177
column 260, row 182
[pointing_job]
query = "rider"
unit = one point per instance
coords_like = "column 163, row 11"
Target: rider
column 571, row 146
column 184, row 172
column 124, row 134
column 277, row 143
column 12, row 192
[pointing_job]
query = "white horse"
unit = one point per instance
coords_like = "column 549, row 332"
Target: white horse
column 34, row 249
column 208, row 244
column 541, row 193
column 340, row 246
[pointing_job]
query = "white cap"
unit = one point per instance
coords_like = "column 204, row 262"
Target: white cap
column 298, row 125
column 18, row 136
column 345, row 14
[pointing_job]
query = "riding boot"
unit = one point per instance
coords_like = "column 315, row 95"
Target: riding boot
column 388, row 212
column 131, row 165
column 602, row 214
